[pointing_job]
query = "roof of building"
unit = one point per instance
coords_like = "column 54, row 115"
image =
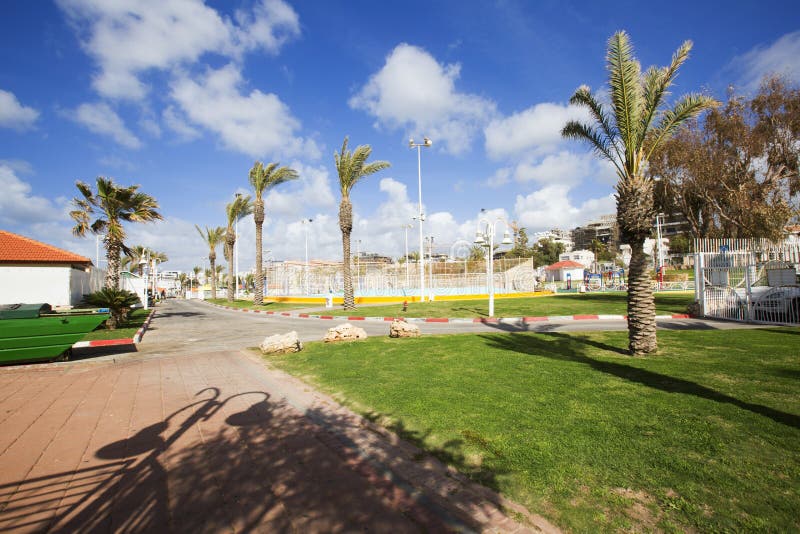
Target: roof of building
column 15, row 248
column 567, row 264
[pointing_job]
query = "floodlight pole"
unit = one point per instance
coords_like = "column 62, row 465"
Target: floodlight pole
column 411, row 144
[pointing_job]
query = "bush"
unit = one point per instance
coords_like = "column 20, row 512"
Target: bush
column 118, row 302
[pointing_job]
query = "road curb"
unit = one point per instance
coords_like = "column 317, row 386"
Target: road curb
column 137, row 337
column 452, row 320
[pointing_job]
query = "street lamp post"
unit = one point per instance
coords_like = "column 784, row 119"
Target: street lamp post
column 144, row 262
column 411, row 144
column 306, row 223
column 406, row 227
column 486, row 239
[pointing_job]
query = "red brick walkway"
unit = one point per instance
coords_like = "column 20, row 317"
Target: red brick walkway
column 207, row 443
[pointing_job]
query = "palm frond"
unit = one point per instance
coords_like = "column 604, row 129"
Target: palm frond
column 687, row 108
column 657, row 82
column 600, row 143
column 626, row 90
column 583, row 97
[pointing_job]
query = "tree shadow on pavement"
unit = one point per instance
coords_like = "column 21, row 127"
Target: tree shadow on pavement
column 242, row 463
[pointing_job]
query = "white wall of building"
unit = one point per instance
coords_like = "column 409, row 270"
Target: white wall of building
column 83, row 283
column 560, row 275
column 584, row 257
column 33, row 284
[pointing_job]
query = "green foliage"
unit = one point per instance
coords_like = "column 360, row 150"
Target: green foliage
column 702, row 438
column 477, row 253
column 118, row 301
column 546, row 252
column 105, row 211
column 520, row 248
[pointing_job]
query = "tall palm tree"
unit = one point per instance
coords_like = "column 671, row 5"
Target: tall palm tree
column 351, row 167
column 212, row 237
column 626, row 136
column 110, row 207
column 241, row 207
column 263, row 179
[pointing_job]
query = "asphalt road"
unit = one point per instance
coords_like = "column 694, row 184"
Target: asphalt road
column 188, row 324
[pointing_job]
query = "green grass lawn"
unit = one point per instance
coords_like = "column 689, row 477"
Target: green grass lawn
column 702, row 436
column 268, row 306
column 126, row 330
column 567, row 304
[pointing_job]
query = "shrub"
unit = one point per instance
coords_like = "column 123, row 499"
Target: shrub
column 118, row 302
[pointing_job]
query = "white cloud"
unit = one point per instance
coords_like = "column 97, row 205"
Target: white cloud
column 500, row 177
column 781, row 57
column 150, row 126
column 129, row 37
column 311, row 189
column 413, row 91
column 536, row 129
column 13, row 114
column 101, row 119
column 563, row 167
column 175, row 122
column 256, row 124
column 551, row 207
column 18, row 206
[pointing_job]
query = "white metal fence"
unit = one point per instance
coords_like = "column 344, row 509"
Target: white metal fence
column 748, row 280
column 379, row 279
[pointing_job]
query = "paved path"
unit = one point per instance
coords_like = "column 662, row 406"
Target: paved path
column 191, row 434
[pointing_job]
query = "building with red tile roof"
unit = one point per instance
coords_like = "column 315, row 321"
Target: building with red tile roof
column 35, row 272
column 16, row 249
column 565, row 270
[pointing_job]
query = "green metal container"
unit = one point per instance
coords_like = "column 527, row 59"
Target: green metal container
column 32, row 332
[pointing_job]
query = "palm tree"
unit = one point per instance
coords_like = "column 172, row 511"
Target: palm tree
column 263, row 179
column 351, row 168
column 212, row 237
column 219, row 272
column 627, row 137
column 241, row 207
column 197, row 270
column 112, row 205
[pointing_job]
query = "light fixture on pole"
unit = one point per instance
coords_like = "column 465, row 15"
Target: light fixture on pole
column 306, row 222
column 411, row 144
column 236, row 252
column 485, row 238
column 406, row 227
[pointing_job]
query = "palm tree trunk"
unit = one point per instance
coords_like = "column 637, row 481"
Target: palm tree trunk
column 641, row 304
column 112, row 268
column 229, row 257
column 346, row 226
column 212, row 260
column 258, row 217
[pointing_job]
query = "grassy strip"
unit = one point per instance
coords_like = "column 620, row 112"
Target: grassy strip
column 702, row 436
column 125, row 331
column 268, row 306
column 568, row 304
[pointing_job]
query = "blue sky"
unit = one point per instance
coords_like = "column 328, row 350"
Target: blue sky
column 182, row 96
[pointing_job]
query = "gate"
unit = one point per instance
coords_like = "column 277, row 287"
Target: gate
column 751, row 280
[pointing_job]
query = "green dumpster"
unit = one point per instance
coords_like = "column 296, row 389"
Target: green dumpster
column 33, row 332
column 23, row 311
